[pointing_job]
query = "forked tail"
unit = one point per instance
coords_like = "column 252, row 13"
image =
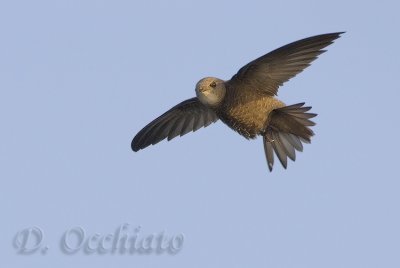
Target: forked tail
column 288, row 127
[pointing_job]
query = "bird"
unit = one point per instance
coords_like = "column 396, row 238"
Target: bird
column 248, row 103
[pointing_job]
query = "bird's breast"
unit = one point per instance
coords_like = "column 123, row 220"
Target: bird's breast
column 248, row 114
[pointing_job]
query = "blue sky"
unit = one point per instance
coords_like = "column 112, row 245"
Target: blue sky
column 78, row 79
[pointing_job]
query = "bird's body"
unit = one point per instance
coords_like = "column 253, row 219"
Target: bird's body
column 247, row 112
column 247, row 103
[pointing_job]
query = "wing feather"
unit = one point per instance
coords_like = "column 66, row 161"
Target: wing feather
column 189, row 115
column 270, row 71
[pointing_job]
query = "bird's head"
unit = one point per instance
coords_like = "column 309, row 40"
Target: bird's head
column 210, row 91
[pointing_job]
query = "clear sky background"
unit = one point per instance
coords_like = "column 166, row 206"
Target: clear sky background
column 78, row 79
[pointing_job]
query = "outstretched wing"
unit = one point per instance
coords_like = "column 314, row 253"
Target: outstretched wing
column 270, row 71
column 189, row 115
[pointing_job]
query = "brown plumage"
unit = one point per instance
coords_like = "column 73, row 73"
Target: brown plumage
column 247, row 103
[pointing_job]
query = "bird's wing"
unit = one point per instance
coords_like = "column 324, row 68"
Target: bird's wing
column 189, row 115
column 270, row 71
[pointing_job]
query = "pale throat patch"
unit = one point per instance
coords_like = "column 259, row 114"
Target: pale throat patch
column 208, row 98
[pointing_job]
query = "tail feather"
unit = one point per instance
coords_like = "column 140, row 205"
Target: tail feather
column 269, row 153
column 289, row 148
column 288, row 128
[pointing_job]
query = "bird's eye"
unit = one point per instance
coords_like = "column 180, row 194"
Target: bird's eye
column 213, row 84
